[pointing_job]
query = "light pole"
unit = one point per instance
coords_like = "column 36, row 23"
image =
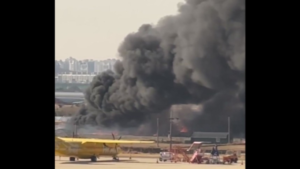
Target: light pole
column 75, row 131
column 171, row 122
column 228, row 130
column 157, row 139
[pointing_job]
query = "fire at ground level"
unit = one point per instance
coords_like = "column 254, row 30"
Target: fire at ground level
column 181, row 126
column 186, row 119
column 180, row 131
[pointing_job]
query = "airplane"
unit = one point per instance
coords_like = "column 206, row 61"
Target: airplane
column 61, row 103
column 86, row 148
column 79, row 95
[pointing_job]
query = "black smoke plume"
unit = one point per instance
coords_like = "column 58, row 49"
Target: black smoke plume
column 194, row 57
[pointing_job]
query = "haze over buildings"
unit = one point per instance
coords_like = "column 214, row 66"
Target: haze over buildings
column 94, row 29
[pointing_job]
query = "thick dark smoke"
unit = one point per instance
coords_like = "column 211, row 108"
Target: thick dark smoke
column 195, row 57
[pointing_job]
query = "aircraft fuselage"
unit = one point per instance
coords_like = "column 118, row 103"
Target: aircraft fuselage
column 86, row 150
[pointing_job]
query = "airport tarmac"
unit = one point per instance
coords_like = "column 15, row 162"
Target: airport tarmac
column 136, row 163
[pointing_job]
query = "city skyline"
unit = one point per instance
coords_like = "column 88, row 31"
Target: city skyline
column 94, row 29
column 71, row 70
column 85, row 66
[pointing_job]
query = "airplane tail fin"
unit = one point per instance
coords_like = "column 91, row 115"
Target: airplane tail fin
column 60, row 147
column 60, row 144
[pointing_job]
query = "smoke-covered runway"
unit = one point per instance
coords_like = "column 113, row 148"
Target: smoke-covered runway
column 136, row 163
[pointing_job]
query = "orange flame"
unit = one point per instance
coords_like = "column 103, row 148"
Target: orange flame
column 183, row 129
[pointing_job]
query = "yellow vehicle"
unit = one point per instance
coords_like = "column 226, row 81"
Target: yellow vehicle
column 82, row 148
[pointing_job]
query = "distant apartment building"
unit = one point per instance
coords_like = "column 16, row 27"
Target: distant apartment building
column 104, row 65
column 66, row 64
column 91, row 67
column 73, row 64
column 83, row 67
column 61, row 64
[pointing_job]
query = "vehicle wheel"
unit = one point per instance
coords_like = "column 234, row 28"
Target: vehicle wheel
column 116, row 158
column 72, row 158
column 94, row 159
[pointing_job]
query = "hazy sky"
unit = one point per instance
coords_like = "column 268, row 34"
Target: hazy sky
column 94, row 29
